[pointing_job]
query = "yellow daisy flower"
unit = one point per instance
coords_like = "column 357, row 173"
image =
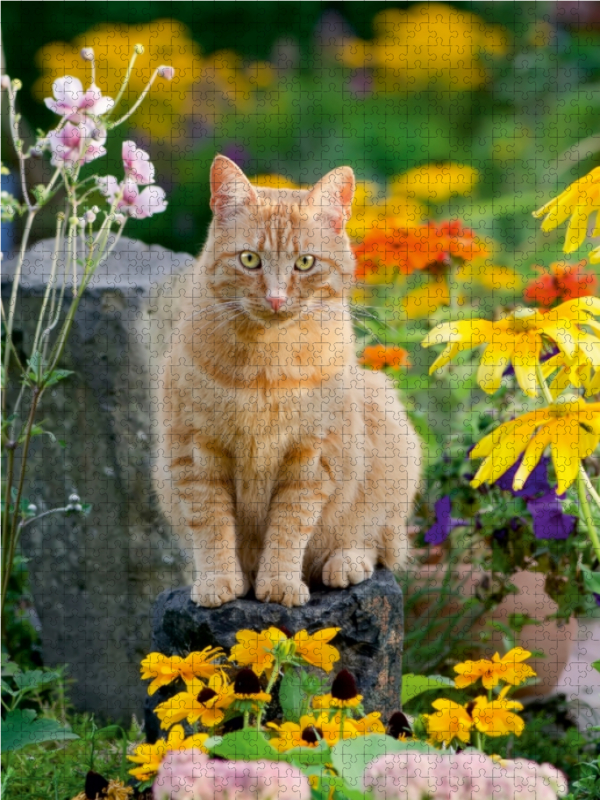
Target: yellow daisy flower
column 165, row 669
column 204, row 703
column 312, row 728
column 570, row 426
column 507, row 669
column 314, row 649
column 150, row 756
column 255, row 649
column 497, row 718
column 344, row 693
column 578, row 201
column 247, row 687
column 450, row 720
column 518, row 338
column 370, row 724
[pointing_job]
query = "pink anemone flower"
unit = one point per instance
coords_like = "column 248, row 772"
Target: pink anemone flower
column 77, row 143
column 70, row 99
column 137, row 164
column 133, row 203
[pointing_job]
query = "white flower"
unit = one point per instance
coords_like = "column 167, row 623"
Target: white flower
column 137, row 164
column 70, row 100
column 132, row 202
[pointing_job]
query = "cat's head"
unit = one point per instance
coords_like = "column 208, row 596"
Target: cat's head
column 280, row 254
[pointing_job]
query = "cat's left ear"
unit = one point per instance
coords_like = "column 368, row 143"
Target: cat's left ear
column 331, row 197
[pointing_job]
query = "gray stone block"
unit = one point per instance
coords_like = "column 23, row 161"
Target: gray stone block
column 370, row 616
column 94, row 579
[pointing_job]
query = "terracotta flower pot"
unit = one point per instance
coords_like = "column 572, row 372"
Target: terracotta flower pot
column 553, row 638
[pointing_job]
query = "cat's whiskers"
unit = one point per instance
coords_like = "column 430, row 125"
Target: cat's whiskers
column 220, row 305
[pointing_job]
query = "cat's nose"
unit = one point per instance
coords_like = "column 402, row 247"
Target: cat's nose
column 275, row 301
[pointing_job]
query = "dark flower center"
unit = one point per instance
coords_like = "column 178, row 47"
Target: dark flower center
column 285, row 630
column 246, row 682
column 205, row 695
column 398, row 724
column 233, row 724
column 312, row 734
column 95, row 785
column 344, row 686
column 469, row 708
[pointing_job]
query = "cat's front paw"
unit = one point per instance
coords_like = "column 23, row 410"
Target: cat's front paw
column 216, row 588
column 347, row 568
column 281, row 589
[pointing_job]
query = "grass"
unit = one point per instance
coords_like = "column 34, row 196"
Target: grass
column 55, row 771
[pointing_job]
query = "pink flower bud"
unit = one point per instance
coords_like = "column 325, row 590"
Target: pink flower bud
column 89, row 216
column 87, row 53
column 5, row 82
column 166, row 72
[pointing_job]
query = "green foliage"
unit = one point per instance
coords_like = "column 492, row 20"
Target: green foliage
column 414, row 685
column 587, row 786
column 23, row 728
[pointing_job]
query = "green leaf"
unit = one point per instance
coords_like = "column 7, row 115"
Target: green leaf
column 34, row 678
column 350, row 757
column 56, row 375
column 308, row 756
column 414, row 685
column 290, row 695
column 596, row 665
column 591, row 580
column 249, row 745
column 21, row 728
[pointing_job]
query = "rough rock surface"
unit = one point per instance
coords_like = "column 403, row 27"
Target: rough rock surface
column 370, row 616
column 94, row 579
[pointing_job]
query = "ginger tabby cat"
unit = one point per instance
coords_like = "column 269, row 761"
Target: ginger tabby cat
column 282, row 462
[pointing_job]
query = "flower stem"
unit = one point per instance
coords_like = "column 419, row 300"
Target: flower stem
column 138, row 102
column 125, row 83
column 246, row 719
column 585, row 507
column 270, row 684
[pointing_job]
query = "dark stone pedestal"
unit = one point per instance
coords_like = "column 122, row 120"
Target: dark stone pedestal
column 370, row 616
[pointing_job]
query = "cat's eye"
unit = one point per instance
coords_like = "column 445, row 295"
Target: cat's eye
column 304, row 263
column 250, row 260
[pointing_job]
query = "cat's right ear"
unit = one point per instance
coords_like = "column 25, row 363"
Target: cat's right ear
column 230, row 189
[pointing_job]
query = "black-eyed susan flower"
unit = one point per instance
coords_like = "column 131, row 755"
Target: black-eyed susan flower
column 497, row 718
column 247, row 687
column 364, row 726
column 206, row 703
column 255, row 648
column 398, row 726
column 97, row 786
column 314, row 649
column 260, row 650
column 508, row 669
column 310, row 731
column 519, row 339
column 344, row 693
column 570, row 426
column 165, row 669
column 150, row 756
column 450, row 721
column 578, row 202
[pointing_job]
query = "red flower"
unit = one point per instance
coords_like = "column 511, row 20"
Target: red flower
column 560, row 283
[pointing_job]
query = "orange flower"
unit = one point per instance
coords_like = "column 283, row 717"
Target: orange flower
column 561, row 282
column 378, row 356
column 426, row 247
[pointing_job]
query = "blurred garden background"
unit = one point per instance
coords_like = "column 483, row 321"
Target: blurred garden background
column 459, row 120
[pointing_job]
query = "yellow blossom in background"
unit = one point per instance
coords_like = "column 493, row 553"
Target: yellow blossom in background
column 450, row 720
column 427, row 43
column 371, row 208
column 578, row 202
column 424, row 301
column 116, row 790
column 497, row 718
column 508, row 669
column 165, row 41
column 370, row 724
column 206, row 704
column 570, row 426
column 309, row 731
column 150, row 756
column 436, row 182
column 210, row 85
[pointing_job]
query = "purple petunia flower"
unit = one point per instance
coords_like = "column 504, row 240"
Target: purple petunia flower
column 549, row 520
column 537, row 482
column 444, row 523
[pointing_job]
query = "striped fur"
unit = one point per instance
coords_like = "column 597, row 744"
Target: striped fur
column 282, row 462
